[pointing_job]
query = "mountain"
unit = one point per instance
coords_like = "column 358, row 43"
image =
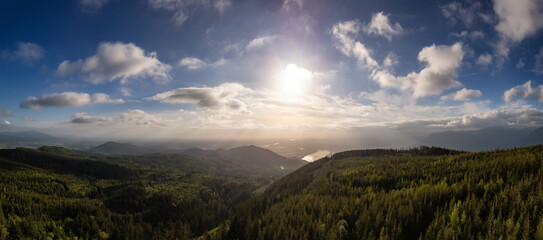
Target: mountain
column 26, row 136
column 483, row 139
column 534, row 138
column 422, row 193
column 56, row 192
column 254, row 155
column 115, row 148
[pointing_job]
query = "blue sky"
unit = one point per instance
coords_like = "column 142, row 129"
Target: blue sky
column 202, row 69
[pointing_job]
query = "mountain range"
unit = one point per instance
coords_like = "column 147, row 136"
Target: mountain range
column 485, row 139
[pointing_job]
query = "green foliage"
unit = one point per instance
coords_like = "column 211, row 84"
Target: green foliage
column 423, row 193
column 55, row 193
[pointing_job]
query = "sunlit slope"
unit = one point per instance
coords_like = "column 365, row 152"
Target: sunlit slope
column 427, row 193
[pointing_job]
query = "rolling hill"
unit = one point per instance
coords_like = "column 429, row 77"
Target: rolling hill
column 423, row 193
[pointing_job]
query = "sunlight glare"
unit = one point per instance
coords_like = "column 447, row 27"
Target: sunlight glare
column 294, row 80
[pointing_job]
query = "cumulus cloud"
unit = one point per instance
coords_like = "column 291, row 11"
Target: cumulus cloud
column 344, row 34
column 183, row 7
column 538, row 65
column 458, row 12
column 193, row 63
column 5, row 122
column 463, row 95
column 524, row 91
column 136, row 117
column 222, row 97
column 484, row 60
column 517, row 20
column 440, row 73
column 259, row 42
column 116, row 60
column 5, row 113
column 67, row 99
column 380, row 25
column 84, row 118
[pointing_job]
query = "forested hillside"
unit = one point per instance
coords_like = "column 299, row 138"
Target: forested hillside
column 424, row 193
column 421, row 193
column 56, row 193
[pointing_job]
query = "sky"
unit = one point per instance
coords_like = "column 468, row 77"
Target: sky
column 257, row 69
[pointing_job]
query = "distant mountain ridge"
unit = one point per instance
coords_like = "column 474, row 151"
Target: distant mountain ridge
column 485, row 139
column 26, row 136
column 245, row 155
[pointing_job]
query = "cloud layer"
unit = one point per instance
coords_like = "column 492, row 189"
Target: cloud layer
column 67, row 99
column 222, row 97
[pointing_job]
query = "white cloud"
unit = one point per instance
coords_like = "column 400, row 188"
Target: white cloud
column 525, row 91
column 84, row 118
column 484, row 60
column 440, row 73
column 139, row 117
column 259, row 42
column 287, row 4
column 5, row 122
column 67, row 99
column 538, row 65
column 193, row 63
column 133, row 117
column 518, row 20
column 222, row 97
column 344, row 34
column 463, row 95
column 117, row 61
column 380, row 25
column 456, row 12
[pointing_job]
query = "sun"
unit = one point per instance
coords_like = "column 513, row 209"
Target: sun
column 294, row 80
